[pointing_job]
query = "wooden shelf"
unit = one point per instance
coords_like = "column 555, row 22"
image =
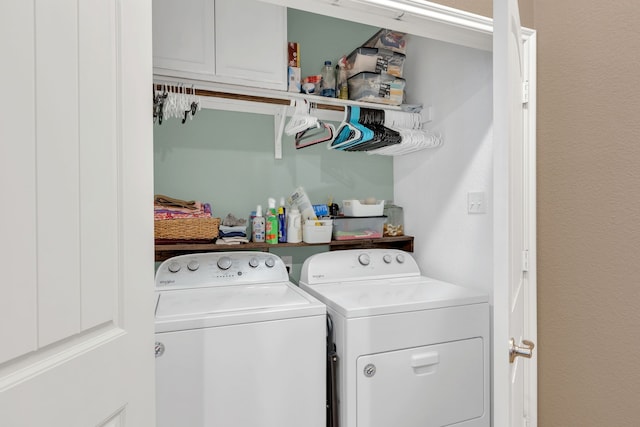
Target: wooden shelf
column 263, row 96
column 167, row 250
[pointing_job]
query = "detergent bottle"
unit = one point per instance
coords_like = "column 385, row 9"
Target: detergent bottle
column 294, row 226
column 271, row 223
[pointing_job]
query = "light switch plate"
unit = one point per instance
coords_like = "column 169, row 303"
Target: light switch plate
column 476, row 203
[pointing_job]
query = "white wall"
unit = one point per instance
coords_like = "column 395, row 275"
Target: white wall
column 432, row 184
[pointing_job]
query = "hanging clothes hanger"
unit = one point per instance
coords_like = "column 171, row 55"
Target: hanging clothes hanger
column 346, row 132
column 308, row 137
column 412, row 140
column 366, row 134
column 383, row 136
column 301, row 119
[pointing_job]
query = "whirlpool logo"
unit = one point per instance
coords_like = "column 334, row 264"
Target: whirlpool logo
column 317, row 276
column 167, row 282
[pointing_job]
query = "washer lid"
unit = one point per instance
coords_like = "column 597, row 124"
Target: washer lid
column 226, row 305
column 386, row 296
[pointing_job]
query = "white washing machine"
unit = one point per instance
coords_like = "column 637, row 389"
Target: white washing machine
column 412, row 351
column 237, row 344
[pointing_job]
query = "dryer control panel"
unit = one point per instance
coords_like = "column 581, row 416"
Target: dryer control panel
column 220, row 269
column 358, row 264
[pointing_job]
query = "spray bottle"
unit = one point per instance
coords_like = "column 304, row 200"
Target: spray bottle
column 257, row 234
column 271, row 223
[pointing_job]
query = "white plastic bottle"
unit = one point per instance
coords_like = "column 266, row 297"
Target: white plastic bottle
column 257, row 234
column 294, row 226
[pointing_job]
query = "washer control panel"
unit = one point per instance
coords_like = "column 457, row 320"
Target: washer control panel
column 220, row 269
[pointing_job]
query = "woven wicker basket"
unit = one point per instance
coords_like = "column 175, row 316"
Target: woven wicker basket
column 186, row 229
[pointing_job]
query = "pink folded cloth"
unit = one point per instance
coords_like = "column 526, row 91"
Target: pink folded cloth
column 201, row 210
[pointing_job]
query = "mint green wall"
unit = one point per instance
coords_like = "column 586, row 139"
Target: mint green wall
column 338, row 38
column 227, row 158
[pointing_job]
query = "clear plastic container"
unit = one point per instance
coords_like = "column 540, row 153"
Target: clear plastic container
column 378, row 88
column 353, row 228
column 388, row 39
column 394, row 226
column 374, row 60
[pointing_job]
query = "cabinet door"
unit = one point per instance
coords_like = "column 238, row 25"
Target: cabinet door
column 183, row 38
column 251, row 43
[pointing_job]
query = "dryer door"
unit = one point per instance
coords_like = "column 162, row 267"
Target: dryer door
column 435, row 385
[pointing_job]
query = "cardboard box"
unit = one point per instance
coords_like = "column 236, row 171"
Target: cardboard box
column 294, row 83
column 294, row 54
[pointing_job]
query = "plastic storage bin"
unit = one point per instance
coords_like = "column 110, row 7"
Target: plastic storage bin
column 359, row 208
column 377, row 88
column 374, row 60
column 312, row 233
column 387, row 39
column 352, row 228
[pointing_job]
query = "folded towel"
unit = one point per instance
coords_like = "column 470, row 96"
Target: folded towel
column 234, row 229
column 162, row 200
column 164, row 212
column 231, row 240
column 232, row 234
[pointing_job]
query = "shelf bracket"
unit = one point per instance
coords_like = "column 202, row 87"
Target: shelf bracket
column 279, row 118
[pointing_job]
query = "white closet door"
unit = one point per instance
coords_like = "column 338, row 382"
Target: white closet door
column 76, row 222
column 514, row 220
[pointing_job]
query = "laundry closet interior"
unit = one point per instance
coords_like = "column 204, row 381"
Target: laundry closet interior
column 227, row 154
column 227, row 157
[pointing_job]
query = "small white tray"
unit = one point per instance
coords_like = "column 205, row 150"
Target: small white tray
column 358, row 208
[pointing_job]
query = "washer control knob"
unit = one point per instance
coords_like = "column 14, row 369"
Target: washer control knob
column 224, row 263
column 253, row 262
column 270, row 262
column 363, row 259
column 400, row 258
column 387, row 258
column 174, row 267
column 193, row 265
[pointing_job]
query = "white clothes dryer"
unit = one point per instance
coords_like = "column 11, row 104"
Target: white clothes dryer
column 237, row 344
column 412, row 351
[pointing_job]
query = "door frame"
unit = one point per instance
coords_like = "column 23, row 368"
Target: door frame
column 530, row 126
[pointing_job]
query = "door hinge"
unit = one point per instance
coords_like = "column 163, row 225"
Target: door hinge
column 525, row 91
column 525, row 260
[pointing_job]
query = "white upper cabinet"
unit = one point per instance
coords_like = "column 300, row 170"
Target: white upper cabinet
column 183, row 38
column 251, row 42
column 239, row 42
